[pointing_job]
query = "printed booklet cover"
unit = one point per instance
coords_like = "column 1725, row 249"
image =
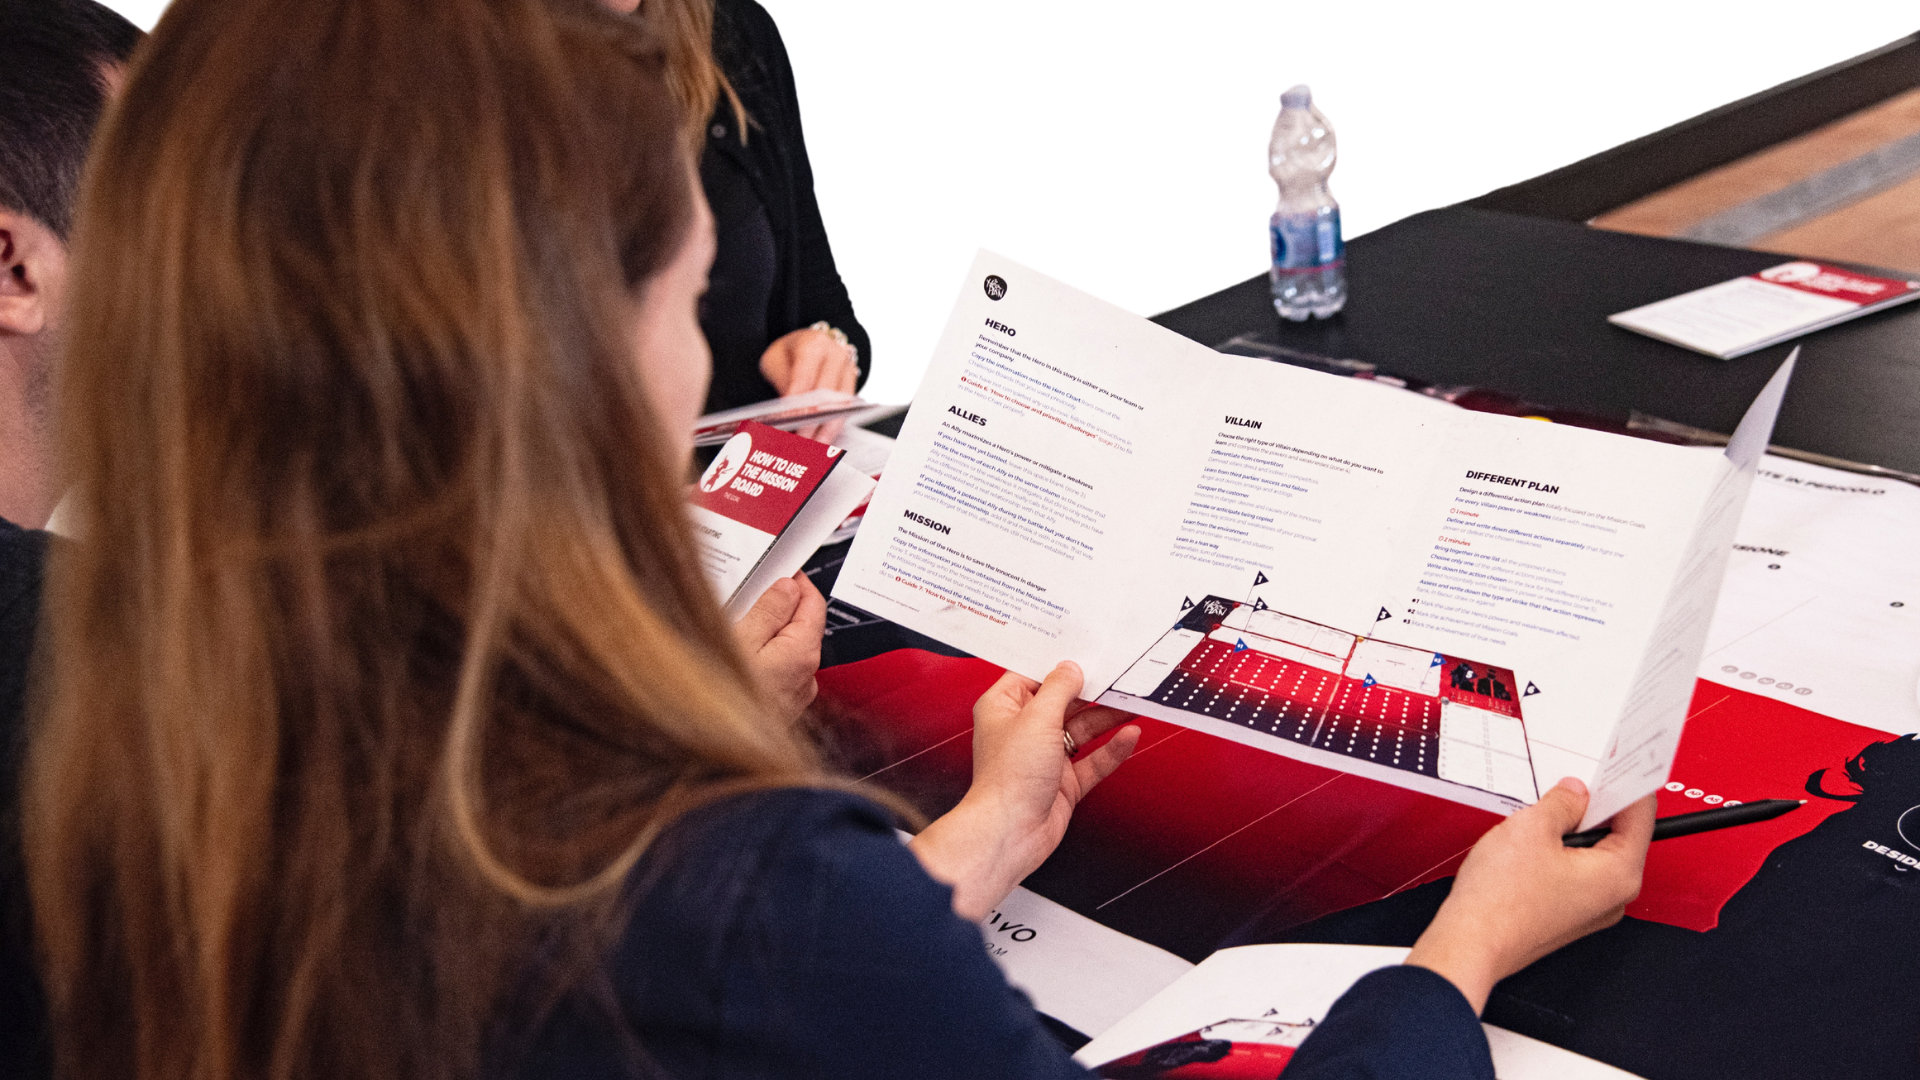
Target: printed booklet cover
column 765, row 504
column 1749, row 313
column 1460, row 603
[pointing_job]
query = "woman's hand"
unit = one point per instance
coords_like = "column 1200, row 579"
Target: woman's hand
column 1024, row 786
column 809, row 359
column 1522, row 893
column 781, row 636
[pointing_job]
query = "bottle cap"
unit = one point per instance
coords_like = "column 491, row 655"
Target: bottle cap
column 1297, row 98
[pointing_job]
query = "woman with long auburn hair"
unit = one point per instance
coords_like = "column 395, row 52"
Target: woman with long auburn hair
column 390, row 729
column 389, row 658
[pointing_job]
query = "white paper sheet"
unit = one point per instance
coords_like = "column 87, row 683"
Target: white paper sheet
column 1075, row 970
column 1644, row 741
column 1821, row 602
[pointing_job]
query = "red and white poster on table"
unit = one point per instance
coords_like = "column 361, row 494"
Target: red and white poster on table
column 764, row 505
column 1734, row 318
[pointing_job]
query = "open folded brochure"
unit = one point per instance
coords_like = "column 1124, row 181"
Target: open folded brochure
column 1460, row 603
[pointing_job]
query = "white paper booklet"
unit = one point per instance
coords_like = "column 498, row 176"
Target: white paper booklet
column 1461, row 603
column 1083, row 974
column 1243, row 1012
column 1734, row 318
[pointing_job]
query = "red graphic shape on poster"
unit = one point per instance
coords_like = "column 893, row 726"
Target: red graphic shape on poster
column 1196, row 836
column 1739, row 747
column 763, row 476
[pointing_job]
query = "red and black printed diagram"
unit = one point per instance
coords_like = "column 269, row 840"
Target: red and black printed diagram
column 1304, row 684
column 1228, row 1050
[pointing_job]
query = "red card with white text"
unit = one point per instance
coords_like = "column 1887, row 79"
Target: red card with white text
column 1779, row 303
column 759, row 505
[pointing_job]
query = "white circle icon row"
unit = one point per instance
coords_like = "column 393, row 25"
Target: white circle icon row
column 1697, row 793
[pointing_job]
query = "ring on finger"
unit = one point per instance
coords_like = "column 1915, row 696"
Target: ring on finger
column 840, row 337
column 1066, row 739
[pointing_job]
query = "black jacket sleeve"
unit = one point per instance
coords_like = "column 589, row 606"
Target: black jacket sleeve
column 23, row 1044
column 749, row 49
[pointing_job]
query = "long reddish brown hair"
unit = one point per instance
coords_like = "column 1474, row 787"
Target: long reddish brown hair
column 385, row 653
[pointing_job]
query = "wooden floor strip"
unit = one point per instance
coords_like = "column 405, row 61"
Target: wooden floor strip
column 1880, row 229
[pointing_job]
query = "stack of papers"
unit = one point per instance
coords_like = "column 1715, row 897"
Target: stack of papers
column 785, row 413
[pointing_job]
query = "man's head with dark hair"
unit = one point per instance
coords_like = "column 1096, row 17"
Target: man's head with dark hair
column 55, row 62
column 60, row 61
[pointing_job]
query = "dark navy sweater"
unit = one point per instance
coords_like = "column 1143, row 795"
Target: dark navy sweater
column 790, row 934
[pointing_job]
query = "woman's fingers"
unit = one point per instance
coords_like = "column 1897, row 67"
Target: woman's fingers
column 807, row 621
column 1632, row 828
column 780, row 635
column 809, row 359
column 776, row 364
column 1559, row 811
column 809, row 354
column 1059, row 690
column 769, row 615
column 1097, row 766
column 1010, row 692
column 1092, row 721
column 1522, row 893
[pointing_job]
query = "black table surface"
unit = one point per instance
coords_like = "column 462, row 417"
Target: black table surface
column 1460, row 296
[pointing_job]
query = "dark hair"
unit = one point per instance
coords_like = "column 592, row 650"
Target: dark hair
column 52, row 92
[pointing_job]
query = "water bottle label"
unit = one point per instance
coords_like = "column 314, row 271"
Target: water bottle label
column 1307, row 241
column 1332, row 249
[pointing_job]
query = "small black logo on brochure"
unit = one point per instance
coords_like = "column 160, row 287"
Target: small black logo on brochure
column 996, row 286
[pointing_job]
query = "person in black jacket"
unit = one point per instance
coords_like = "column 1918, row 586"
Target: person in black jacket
column 59, row 60
column 776, row 314
column 22, row 1008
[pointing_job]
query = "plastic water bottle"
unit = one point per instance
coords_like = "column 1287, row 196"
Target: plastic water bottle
column 1309, row 260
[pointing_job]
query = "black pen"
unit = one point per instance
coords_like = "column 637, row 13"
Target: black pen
column 1720, row 817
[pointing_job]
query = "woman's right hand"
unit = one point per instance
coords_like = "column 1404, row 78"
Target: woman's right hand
column 1025, row 786
column 1522, row 893
column 780, row 636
